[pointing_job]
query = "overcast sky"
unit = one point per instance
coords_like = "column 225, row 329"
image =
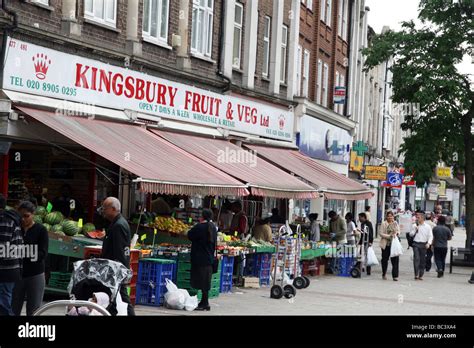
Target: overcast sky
column 392, row 12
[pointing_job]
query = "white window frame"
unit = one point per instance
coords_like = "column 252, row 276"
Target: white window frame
column 204, row 30
column 345, row 21
column 105, row 21
column 298, row 70
column 266, row 42
column 43, row 2
column 324, row 102
column 309, row 4
column 236, row 59
column 284, row 45
column 306, row 72
column 336, row 83
column 328, row 12
column 323, row 10
column 160, row 39
column 319, row 80
column 340, row 10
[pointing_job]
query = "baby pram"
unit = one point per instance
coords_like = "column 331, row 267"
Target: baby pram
column 88, row 277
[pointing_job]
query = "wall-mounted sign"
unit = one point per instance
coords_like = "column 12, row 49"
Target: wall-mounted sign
column 408, row 180
column 375, row 173
column 357, row 162
column 321, row 140
column 443, row 172
column 442, row 188
column 339, row 95
column 42, row 71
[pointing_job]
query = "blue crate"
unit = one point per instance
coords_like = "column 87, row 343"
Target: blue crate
column 151, row 283
column 226, row 285
column 265, row 281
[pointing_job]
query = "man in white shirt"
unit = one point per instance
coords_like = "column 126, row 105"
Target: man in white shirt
column 423, row 238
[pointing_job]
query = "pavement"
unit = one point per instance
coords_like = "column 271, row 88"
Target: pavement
column 369, row 295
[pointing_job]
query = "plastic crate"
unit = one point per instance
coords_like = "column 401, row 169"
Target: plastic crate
column 213, row 293
column 151, row 285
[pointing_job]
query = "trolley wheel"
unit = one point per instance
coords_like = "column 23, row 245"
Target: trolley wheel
column 299, row 282
column 289, row 291
column 355, row 273
column 307, row 281
column 276, row 292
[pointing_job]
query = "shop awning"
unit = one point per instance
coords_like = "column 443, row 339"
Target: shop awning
column 161, row 167
column 333, row 184
column 263, row 178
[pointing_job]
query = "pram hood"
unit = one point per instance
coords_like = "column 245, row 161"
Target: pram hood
column 110, row 274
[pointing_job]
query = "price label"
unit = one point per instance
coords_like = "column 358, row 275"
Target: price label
column 304, row 236
column 49, row 207
column 190, row 220
column 160, row 253
column 294, row 236
column 174, row 254
column 79, row 223
column 143, row 237
column 236, row 233
column 154, row 231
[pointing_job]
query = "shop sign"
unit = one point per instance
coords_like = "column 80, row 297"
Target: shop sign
column 433, row 189
column 456, row 195
column 443, row 172
column 339, row 95
column 357, row 162
column 432, row 197
column 442, row 188
column 449, row 195
column 42, row 71
column 375, row 173
column 321, row 140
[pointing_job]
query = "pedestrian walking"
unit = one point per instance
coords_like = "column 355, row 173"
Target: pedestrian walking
column 367, row 236
column 33, row 279
column 422, row 240
column 351, row 229
column 431, row 221
column 203, row 237
column 10, row 265
column 116, row 246
column 389, row 231
column 441, row 235
column 337, row 227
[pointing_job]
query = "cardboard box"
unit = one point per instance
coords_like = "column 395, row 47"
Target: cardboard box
column 251, row 282
column 322, row 269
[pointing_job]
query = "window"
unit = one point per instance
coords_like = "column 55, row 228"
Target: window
column 323, row 10
column 340, row 8
column 202, row 21
column 101, row 11
column 266, row 46
column 336, row 83
column 325, row 85
column 305, row 73
column 345, row 19
column 319, row 81
column 342, row 83
column 44, row 2
column 238, row 21
column 284, row 43
column 309, row 4
column 342, row 18
column 328, row 12
column 298, row 70
column 155, row 20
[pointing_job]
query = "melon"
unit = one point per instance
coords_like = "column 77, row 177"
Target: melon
column 61, row 233
column 56, row 228
column 41, row 211
column 54, row 218
column 70, row 227
column 87, row 228
column 47, row 226
column 37, row 219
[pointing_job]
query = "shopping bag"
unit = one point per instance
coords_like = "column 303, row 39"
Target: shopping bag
column 170, row 286
column 121, row 306
column 396, row 248
column 371, row 258
column 174, row 298
column 191, row 303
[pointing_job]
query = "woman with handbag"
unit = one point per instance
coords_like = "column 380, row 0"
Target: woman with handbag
column 389, row 230
column 203, row 256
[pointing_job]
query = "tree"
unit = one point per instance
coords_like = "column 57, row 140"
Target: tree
column 425, row 74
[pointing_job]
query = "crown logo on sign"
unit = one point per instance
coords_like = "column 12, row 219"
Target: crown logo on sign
column 281, row 122
column 41, row 63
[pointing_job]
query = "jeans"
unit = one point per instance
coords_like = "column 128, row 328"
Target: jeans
column 440, row 258
column 393, row 260
column 33, row 288
column 429, row 256
column 6, row 292
column 419, row 258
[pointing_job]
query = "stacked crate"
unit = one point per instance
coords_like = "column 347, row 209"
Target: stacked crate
column 259, row 265
column 59, row 280
column 291, row 257
column 151, row 284
column 227, row 269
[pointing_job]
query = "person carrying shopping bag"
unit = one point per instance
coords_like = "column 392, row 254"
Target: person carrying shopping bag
column 389, row 231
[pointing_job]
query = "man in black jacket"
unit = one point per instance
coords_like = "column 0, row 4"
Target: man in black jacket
column 10, row 267
column 116, row 245
column 367, row 235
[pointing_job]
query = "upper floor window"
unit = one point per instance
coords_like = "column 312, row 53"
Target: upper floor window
column 319, row 81
column 305, row 72
column 201, row 36
column 238, row 22
column 342, row 16
column 44, row 2
column 155, row 20
column 326, row 11
column 298, row 70
column 101, row 11
column 308, row 3
column 325, row 85
column 284, row 43
column 266, row 46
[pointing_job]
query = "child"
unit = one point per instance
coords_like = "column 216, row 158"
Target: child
column 101, row 298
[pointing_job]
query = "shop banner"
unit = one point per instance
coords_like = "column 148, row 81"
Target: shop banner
column 443, row 172
column 339, row 95
column 449, row 195
column 42, row 71
column 357, row 162
column 408, row 180
column 442, row 188
column 375, row 173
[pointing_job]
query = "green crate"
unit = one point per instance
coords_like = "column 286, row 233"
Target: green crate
column 184, row 266
column 213, row 293
column 184, row 257
column 186, row 283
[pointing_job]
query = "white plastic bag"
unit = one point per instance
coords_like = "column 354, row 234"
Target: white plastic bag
column 120, row 305
column 191, row 303
column 396, row 248
column 170, row 286
column 371, row 258
column 174, row 298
